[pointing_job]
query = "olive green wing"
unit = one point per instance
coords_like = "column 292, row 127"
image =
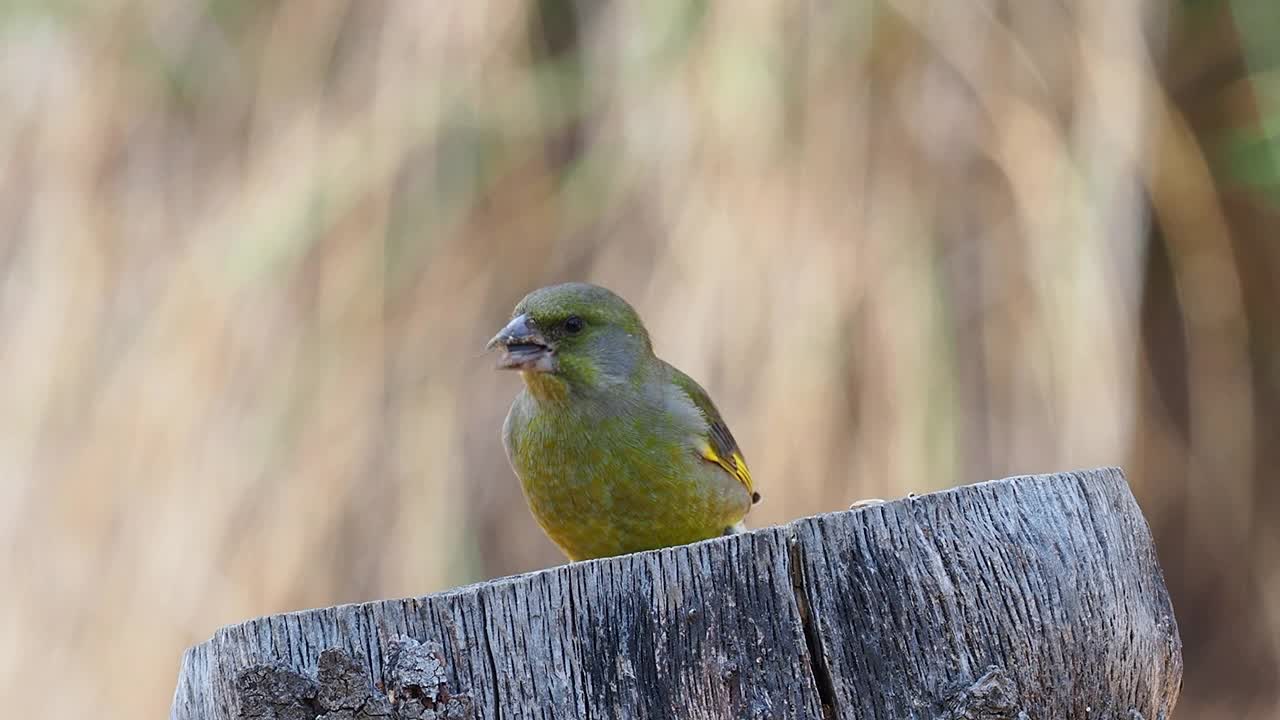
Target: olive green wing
column 718, row 445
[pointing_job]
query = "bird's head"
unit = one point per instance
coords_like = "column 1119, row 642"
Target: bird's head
column 579, row 334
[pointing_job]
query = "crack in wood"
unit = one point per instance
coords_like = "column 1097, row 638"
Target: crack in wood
column 815, row 655
column 493, row 663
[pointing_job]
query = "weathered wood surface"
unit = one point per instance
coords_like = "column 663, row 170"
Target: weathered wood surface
column 1034, row 597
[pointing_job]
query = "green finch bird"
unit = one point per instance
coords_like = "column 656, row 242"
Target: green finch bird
column 616, row 450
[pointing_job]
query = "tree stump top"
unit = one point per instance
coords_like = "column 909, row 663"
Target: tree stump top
column 1032, row 597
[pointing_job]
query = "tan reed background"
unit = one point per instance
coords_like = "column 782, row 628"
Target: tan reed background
column 252, row 249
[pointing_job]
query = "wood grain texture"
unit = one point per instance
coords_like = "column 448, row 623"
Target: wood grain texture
column 1046, row 586
column 1031, row 597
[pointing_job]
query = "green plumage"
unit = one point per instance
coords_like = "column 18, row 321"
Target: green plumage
column 616, row 450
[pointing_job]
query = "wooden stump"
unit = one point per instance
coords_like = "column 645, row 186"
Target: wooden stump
column 1034, row 597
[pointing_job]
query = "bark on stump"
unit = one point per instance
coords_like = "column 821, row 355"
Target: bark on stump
column 1033, row 597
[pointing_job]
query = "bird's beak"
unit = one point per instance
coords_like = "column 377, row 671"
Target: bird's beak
column 524, row 348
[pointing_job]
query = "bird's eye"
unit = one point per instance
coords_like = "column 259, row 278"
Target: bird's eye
column 573, row 325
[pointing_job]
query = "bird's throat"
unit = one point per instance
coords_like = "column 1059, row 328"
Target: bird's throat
column 545, row 387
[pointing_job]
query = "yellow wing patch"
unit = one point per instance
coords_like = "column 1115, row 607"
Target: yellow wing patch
column 735, row 465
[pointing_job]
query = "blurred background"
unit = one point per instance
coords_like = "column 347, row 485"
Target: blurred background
column 252, row 249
